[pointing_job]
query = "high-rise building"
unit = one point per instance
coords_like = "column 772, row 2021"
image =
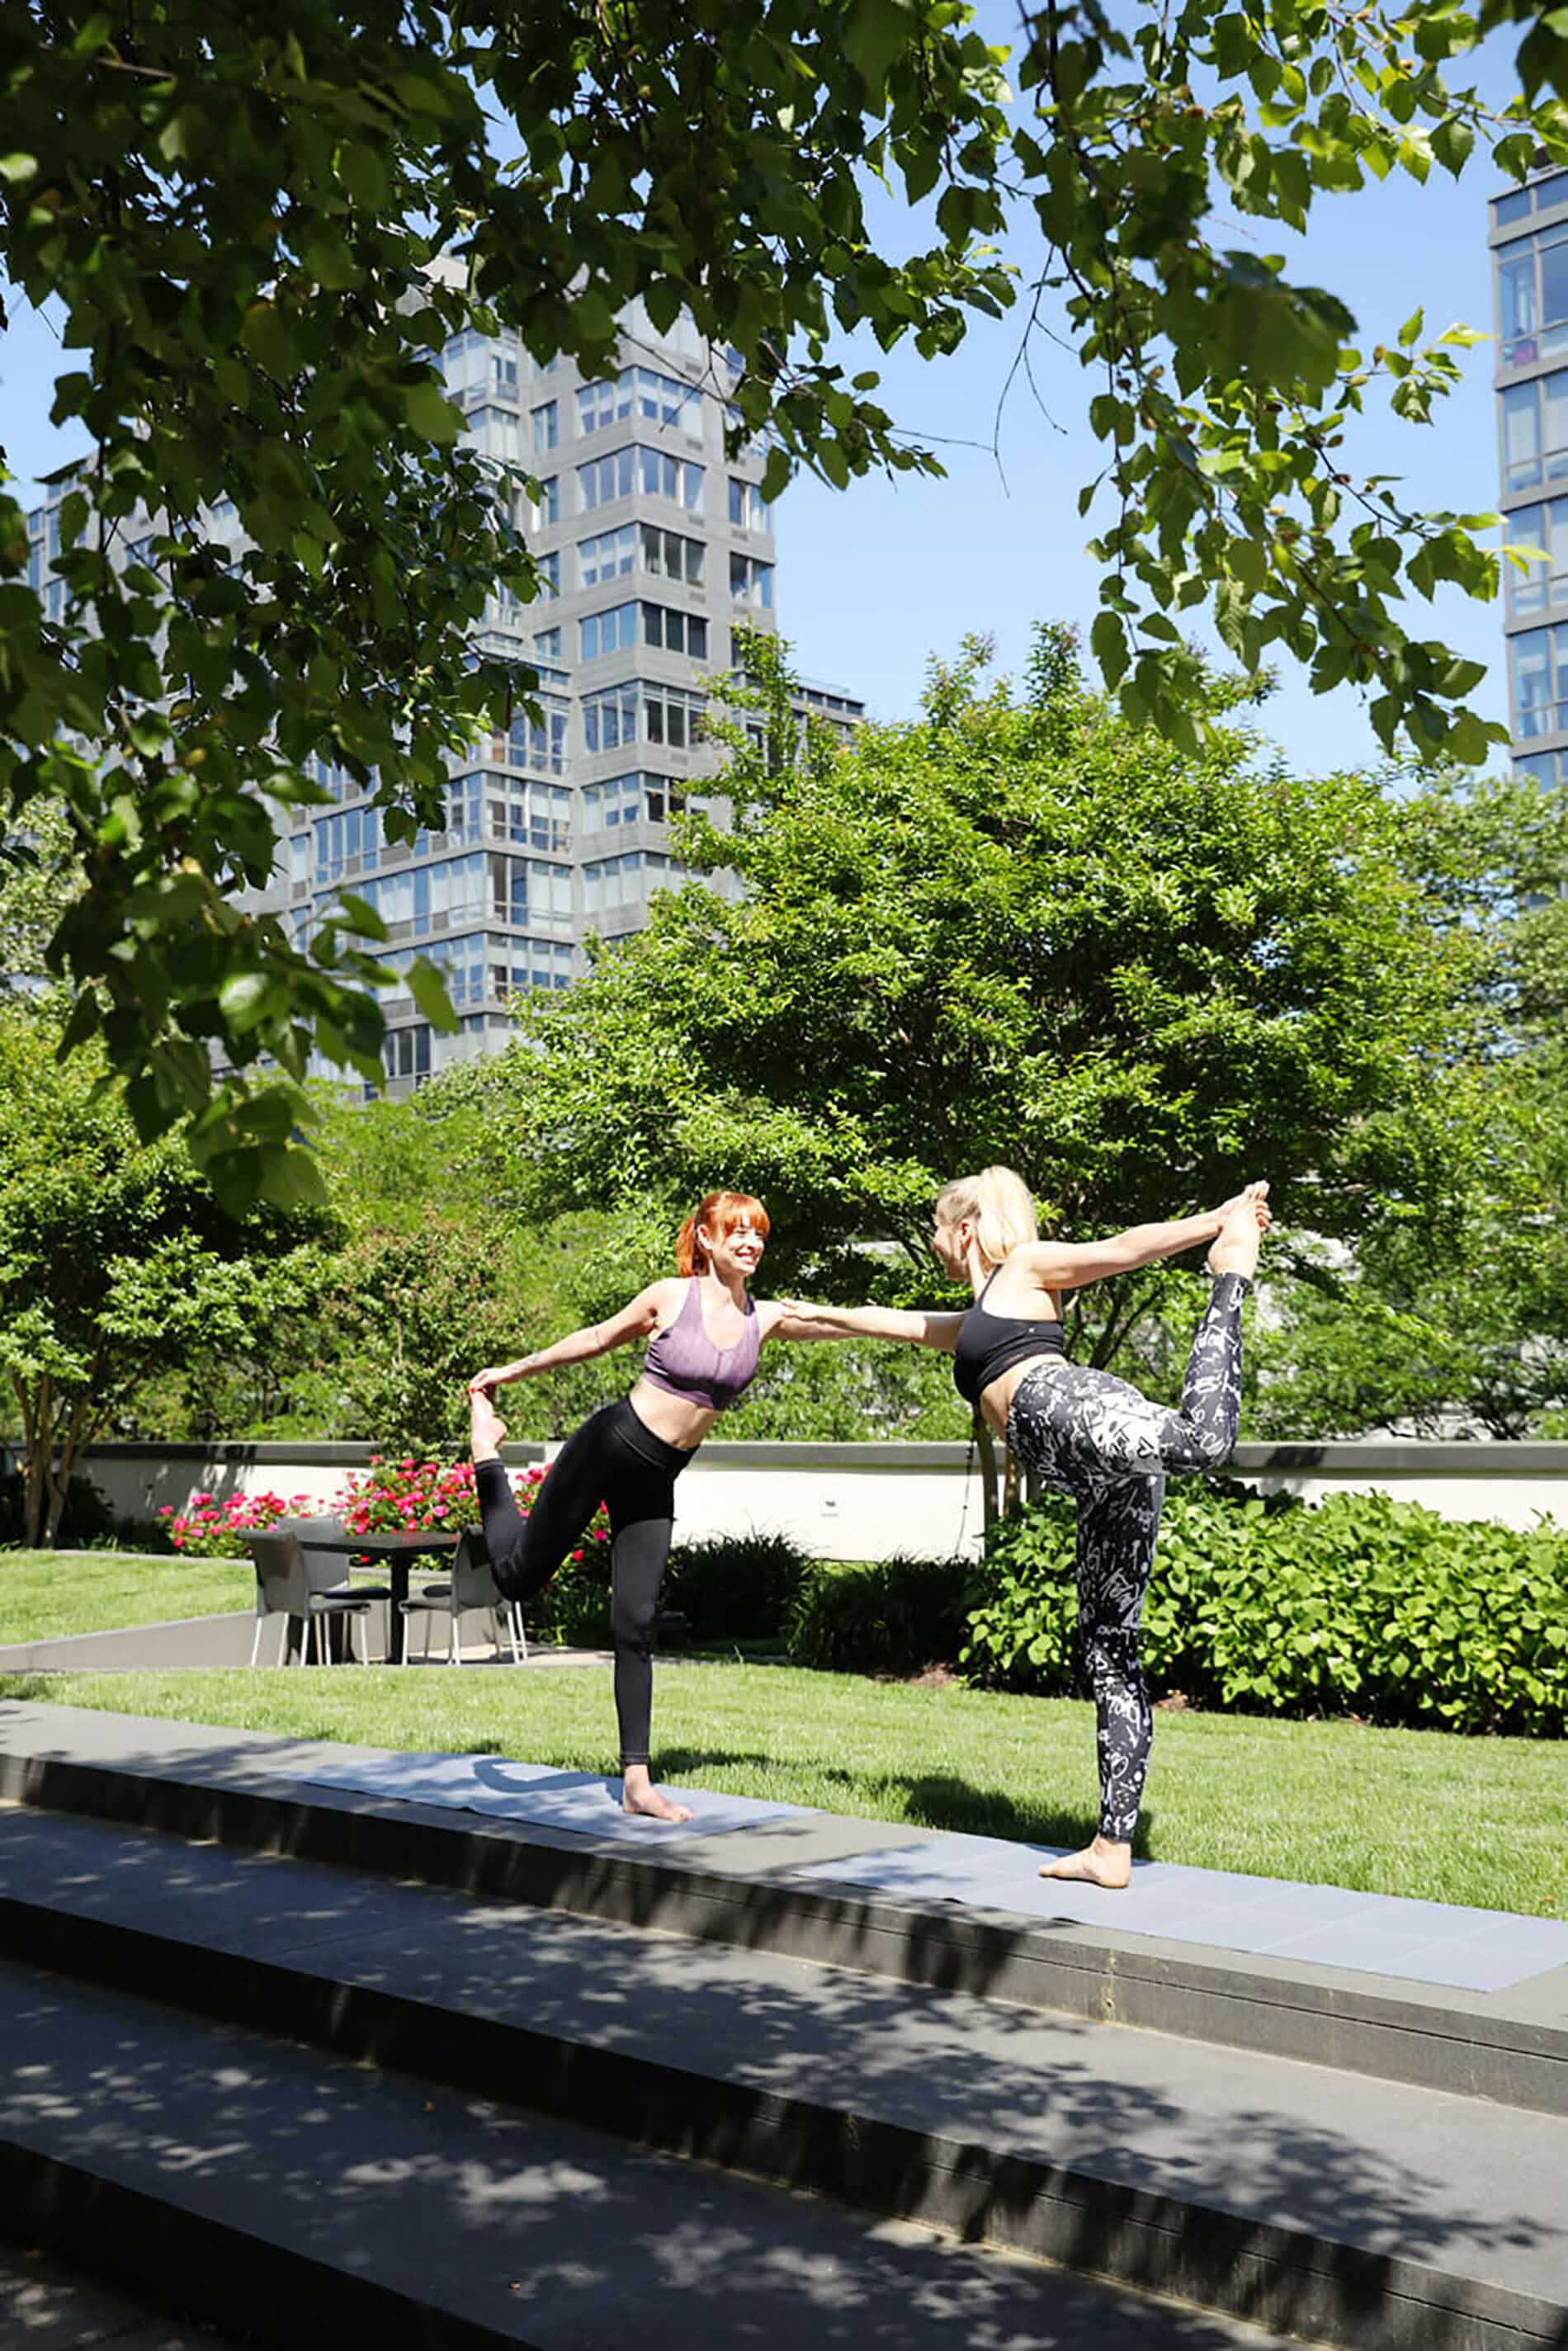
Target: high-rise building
column 653, row 544
column 1530, row 278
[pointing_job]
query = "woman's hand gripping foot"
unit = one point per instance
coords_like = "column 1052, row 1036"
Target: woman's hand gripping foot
column 1247, row 1219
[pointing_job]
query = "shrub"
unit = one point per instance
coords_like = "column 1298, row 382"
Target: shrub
column 736, row 1587
column 1358, row 1603
column 891, row 1615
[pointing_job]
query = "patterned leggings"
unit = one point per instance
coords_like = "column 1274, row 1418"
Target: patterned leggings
column 1098, row 1439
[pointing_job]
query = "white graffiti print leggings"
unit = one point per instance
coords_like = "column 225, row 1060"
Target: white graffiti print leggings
column 1094, row 1437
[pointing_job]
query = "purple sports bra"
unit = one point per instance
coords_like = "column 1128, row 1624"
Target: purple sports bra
column 685, row 1362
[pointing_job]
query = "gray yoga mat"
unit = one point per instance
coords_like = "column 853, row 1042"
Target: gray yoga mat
column 1380, row 1934
column 582, row 1802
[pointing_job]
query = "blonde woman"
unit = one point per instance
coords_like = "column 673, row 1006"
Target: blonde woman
column 1082, row 1431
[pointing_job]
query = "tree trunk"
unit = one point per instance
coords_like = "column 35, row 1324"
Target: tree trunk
column 986, row 1449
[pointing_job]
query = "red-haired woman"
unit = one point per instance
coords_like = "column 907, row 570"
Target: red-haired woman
column 705, row 1333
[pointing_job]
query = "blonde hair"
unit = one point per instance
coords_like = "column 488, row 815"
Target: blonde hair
column 999, row 1205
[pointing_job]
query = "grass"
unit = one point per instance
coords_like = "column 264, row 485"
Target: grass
column 46, row 1594
column 1396, row 1811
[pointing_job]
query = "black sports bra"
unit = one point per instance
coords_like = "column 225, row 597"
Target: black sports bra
column 989, row 1345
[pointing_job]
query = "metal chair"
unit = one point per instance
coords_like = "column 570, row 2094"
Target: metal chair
column 291, row 1581
column 471, row 1585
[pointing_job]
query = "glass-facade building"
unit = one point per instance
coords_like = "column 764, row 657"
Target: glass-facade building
column 1530, row 279
column 653, row 544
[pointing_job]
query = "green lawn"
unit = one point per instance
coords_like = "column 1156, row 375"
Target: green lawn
column 45, row 1594
column 1399, row 1812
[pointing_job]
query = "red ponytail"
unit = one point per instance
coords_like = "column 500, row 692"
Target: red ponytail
column 719, row 1212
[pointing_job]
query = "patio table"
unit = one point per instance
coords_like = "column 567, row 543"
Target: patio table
column 396, row 1551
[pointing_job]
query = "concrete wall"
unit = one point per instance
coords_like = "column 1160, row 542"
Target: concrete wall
column 869, row 1502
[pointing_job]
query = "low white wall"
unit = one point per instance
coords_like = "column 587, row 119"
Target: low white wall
column 869, row 1502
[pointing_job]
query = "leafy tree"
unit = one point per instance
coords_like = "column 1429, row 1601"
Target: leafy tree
column 1012, row 929
column 115, row 1258
column 1458, row 1306
column 238, row 210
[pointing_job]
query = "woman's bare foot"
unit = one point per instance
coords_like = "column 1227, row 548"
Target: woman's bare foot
column 638, row 1795
column 487, row 1429
column 1247, row 1219
column 1104, row 1863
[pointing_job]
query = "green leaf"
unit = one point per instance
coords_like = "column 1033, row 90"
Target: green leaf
column 428, row 990
column 430, row 412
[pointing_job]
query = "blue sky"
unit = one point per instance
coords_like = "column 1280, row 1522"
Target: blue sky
column 874, row 580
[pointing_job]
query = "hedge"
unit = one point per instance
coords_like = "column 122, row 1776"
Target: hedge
column 1355, row 1605
column 890, row 1615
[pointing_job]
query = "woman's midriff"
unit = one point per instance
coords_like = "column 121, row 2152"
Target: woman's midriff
column 670, row 1416
column 996, row 1402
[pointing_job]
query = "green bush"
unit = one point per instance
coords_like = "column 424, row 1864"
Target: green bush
column 889, row 1616
column 734, row 1587
column 1358, row 1604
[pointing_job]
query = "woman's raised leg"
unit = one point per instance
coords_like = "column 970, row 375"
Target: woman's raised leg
column 525, row 1550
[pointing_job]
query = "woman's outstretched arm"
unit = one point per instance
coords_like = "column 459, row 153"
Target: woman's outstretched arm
column 793, row 1318
column 1072, row 1265
column 633, row 1321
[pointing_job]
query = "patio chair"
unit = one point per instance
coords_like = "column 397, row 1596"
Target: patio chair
column 292, row 1582
column 471, row 1585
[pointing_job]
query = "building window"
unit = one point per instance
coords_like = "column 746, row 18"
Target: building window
column 547, row 644
column 1532, row 589
column 676, row 632
column 496, row 434
column 751, row 582
column 648, row 470
column 548, row 570
column 641, row 391
column 669, row 556
column 537, row 743
column 346, row 843
column 1544, row 766
column 748, row 509
column 670, row 715
column 609, row 717
column 1539, row 661
column 608, row 805
column 406, row 1051
column 1535, row 432
column 612, row 631
column 547, row 427
column 670, row 477
column 611, row 882
column 607, row 557
column 525, row 889
column 1532, row 276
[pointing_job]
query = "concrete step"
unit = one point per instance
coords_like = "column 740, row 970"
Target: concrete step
column 756, row 1892
column 1357, row 2211
column 294, row 2199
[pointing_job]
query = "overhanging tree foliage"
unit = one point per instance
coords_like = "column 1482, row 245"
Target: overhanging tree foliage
column 237, row 206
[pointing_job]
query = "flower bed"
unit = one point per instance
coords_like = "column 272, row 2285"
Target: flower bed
column 213, row 1529
column 407, row 1496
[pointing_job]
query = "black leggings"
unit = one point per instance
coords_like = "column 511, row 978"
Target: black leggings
column 612, row 1458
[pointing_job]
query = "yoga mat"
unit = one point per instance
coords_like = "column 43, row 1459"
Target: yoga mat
column 584, row 1802
column 1381, row 1934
